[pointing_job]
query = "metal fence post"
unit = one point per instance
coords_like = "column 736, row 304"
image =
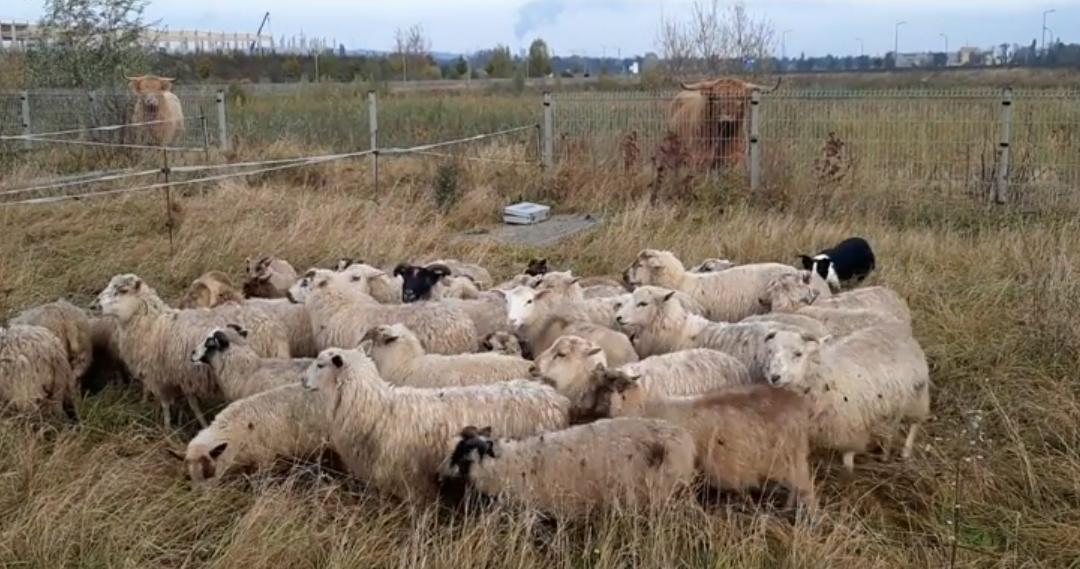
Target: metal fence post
column 222, row 126
column 24, row 101
column 755, row 135
column 548, row 132
column 1001, row 181
column 373, row 134
column 90, row 120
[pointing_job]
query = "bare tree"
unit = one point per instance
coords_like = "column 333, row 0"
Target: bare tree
column 718, row 39
column 412, row 52
column 674, row 42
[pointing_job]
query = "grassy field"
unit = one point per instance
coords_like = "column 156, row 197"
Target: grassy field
column 995, row 481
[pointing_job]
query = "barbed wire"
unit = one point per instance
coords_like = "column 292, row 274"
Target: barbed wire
column 280, row 164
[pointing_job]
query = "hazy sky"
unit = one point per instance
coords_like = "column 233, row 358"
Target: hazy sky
column 586, row 26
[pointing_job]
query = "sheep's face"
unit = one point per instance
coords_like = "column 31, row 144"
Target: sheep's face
column 569, row 361
column 121, row 297
column 385, row 335
column 322, row 374
column 652, row 267
column 502, row 343
column 713, row 266
column 346, row 262
column 789, row 355
column 201, row 467
column 473, row 445
column 536, row 267
column 521, row 305
column 611, row 390
column 216, row 342
column 645, row 305
column 307, row 284
column 417, row 282
column 559, row 281
column 789, row 292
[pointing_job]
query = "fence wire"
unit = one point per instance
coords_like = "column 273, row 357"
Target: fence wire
column 943, row 142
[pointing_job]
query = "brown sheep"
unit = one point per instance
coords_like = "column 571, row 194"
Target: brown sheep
column 268, row 277
column 745, row 434
column 709, row 117
column 209, row 290
column 156, row 103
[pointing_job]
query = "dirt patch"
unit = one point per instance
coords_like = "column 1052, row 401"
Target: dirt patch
column 545, row 233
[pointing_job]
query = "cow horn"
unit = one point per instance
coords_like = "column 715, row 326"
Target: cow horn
column 764, row 88
column 692, row 86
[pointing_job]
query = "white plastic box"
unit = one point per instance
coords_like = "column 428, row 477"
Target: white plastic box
column 525, row 213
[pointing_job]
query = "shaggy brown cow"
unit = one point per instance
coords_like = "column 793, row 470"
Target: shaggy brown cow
column 156, row 103
column 709, row 118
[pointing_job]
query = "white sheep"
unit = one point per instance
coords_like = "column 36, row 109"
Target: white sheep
column 658, row 325
column 861, row 385
column 269, row 335
column 342, row 313
column 254, row 432
column 238, row 370
column 574, row 366
column 798, row 319
column 268, row 277
column 394, row 437
column 70, row 324
column 745, row 434
column 622, row 463
column 793, row 293
column 401, row 360
column 35, row 374
column 155, row 342
column 504, row 343
column 293, row 319
column 478, row 274
column 727, row 296
column 541, row 324
column 383, row 287
column 843, row 321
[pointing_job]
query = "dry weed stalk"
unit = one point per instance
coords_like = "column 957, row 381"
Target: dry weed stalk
column 630, row 150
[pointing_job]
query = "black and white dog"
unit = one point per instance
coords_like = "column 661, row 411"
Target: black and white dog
column 850, row 259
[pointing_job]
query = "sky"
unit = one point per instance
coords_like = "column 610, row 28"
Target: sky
column 599, row 27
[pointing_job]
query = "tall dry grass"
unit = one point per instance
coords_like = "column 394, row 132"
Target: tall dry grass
column 995, row 481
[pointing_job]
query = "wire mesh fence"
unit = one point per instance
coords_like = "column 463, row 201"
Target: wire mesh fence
column 1012, row 145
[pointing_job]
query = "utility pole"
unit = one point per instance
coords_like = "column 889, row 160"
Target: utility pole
column 896, row 44
column 862, row 47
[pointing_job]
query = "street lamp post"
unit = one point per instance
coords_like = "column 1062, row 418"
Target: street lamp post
column 1044, row 28
column 783, row 43
column 896, row 43
column 862, row 47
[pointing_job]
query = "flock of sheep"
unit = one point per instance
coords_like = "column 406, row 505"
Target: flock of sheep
column 560, row 392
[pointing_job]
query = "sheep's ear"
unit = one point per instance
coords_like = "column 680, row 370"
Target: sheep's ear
column 486, row 344
column 390, row 338
column 499, row 291
column 805, row 277
column 337, row 360
column 175, row 454
column 812, row 295
column 400, row 269
column 807, row 262
column 542, row 293
column 599, row 368
column 623, row 382
column 809, row 338
column 770, row 336
column 468, row 432
column 575, row 280
column 365, row 347
column 439, row 270
column 668, row 296
column 485, row 432
column 593, row 351
column 216, row 451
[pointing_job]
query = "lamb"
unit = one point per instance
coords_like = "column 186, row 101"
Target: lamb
column 791, row 294
column 625, row 462
column 860, row 386
column 70, row 324
column 478, row 274
column 574, row 366
column 394, row 437
column 211, row 289
column 541, row 326
column 342, row 312
column 384, row 288
column 502, row 343
column 594, row 287
column 745, row 434
column 268, row 277
column 850, row 260
column 35, row 372
column 401, row 360
column 254, row 432
column 712, row 265
column 238, row 370
column 727, row 296
column 563, row 292
column 434, row 282
column 658, row 326
column 155, row 342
